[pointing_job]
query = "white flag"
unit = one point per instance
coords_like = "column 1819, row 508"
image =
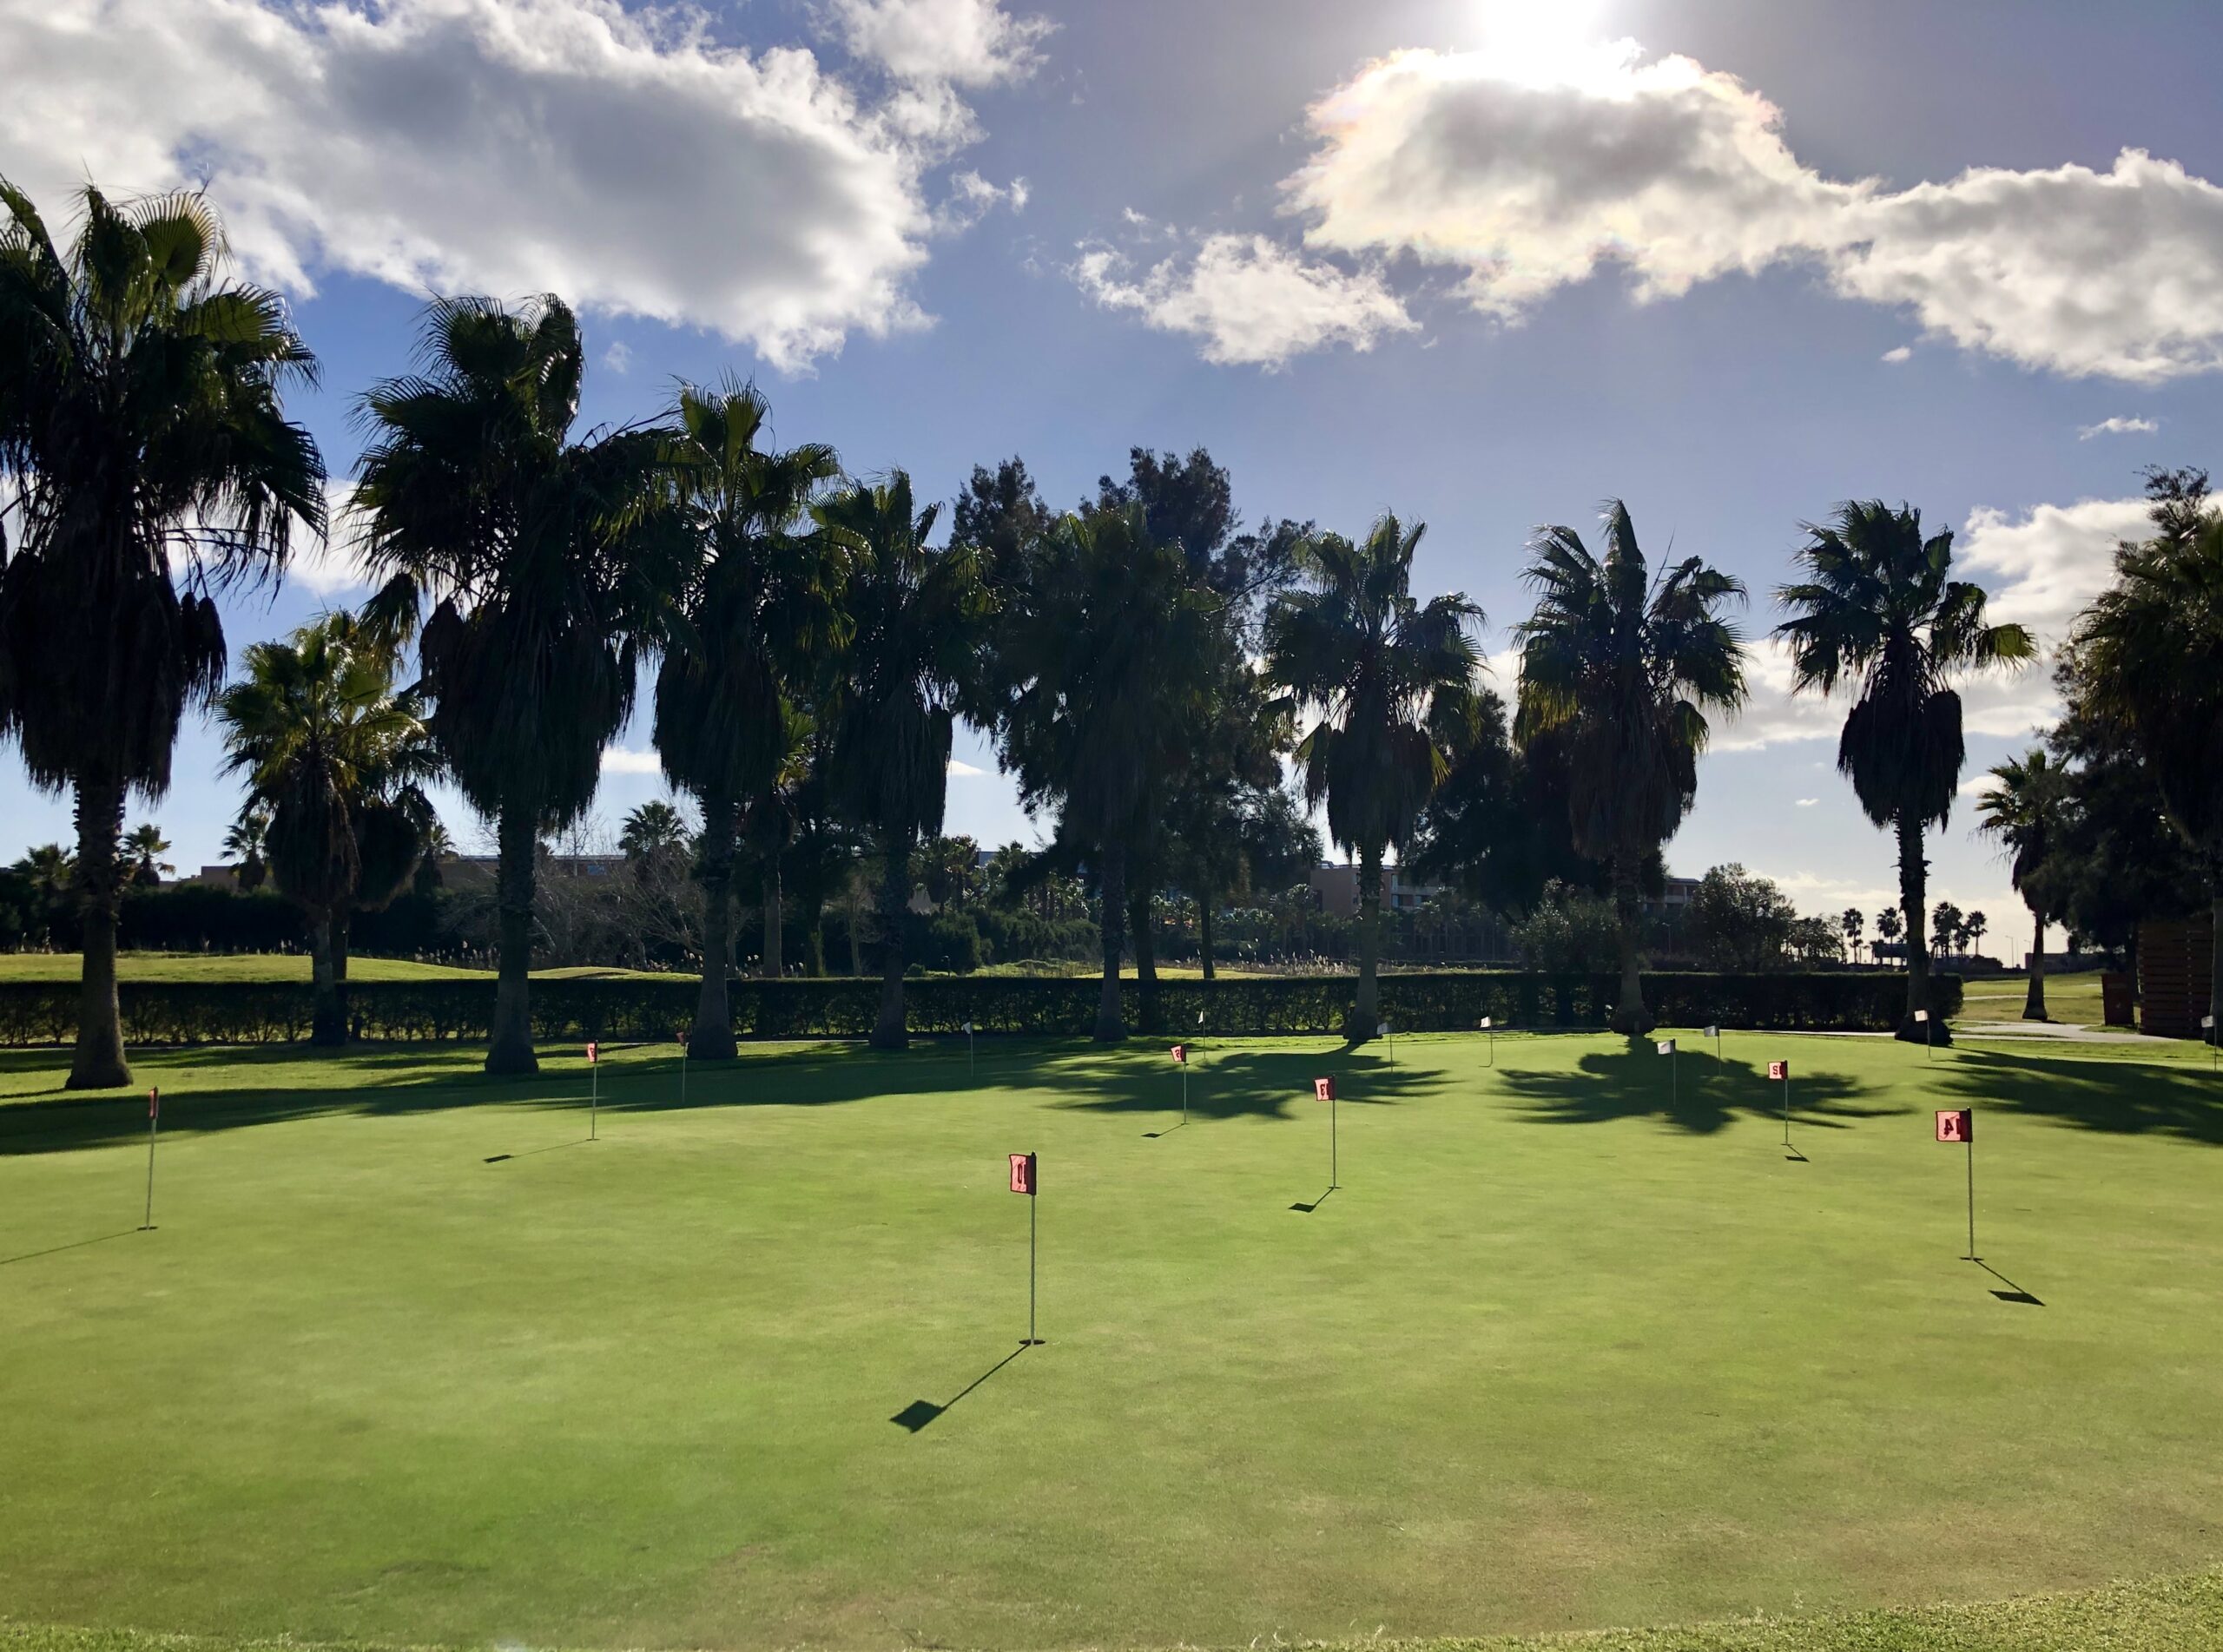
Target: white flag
column 1486, row 1024
column 1666, row 1046
column 1713, row 1032
column 1384, row 1030
column 1922, row 1015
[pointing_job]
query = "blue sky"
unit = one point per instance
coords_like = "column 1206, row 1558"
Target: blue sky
column 1483, row 264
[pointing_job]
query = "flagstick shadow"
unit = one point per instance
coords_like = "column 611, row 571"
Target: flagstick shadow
column 74, row 1244
column 2014, row 1292
column 1153, row 1135
column 1315, row 1205
column 916, row 1415
column 530, row 1152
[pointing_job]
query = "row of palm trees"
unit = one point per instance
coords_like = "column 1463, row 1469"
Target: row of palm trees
column 1141, row 670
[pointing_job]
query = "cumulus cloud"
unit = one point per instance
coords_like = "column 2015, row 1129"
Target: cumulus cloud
column 1904, row 353
column 620, row 157
column 963, row 42
column 972, row 198
column 1526, row 168
column 619, row 760
column 1248, row 300
column 2117, row 427
column 618, row 358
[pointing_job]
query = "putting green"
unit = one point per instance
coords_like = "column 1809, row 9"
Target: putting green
column 407, row 1360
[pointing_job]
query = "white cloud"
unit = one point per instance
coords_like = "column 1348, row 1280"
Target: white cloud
column 1806, row 802
column 1904, row 353
column 972, row 198
column 618, row 358
column 1529, row 164
column 963, row 42
column 619, row 157
column 2117, row 427
column 617, row 759
column 962, row 770
column 2045, row 567
column 1251, row 301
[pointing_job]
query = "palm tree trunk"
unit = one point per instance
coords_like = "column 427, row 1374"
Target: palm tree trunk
column 327, row 1025
column 774, row 968
column 1630, row 1014
column 711, row 1037
column 889, row 1032
column 1146, row 946
column 1205, row 901
column 98, row 1061
column 1368, row 1013
column 510, row 1050
column 813, row 934
column 1111, row 1028
column 2034, row 1005
column 1913, row 887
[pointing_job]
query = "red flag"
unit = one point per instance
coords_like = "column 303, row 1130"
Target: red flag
column 1959, row 1126
column 1323, row 1089
column 155, row 1102
column 589, row 1052
column 1024, row 1176
column 1778, row 1069
column 1181, row 1055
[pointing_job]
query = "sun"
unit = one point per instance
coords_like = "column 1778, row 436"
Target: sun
column 1542, row 41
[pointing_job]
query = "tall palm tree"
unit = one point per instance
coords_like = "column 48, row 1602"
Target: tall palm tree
column 651, row 832
column 2150, row 648
column 2026, row 813
column 1879, row 612
column 143, row 445
column 1853, row 923
column 335, row 754
column 144, row 845
column 1624, row 667
column 552, row 564
column 917, row 618
column 1102, row 657
column 762, row 617
column 1389, row 682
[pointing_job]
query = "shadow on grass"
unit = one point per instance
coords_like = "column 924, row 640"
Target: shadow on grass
column 401, row 1081
column 1701, row 1095
column 2127, row 1098
column 1275, row 1085
column 916, row 1415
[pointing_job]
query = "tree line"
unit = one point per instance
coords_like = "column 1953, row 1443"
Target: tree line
column 1143, row 663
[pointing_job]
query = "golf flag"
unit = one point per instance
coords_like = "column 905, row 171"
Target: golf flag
column 155, row 1102
column 1922, row 1015
column 1778, row 1069
column 2207, row 1024
column 1323, row 1089
column 1382, row 1031
column 1666, row 1046
column 1486, row 1024
column 1025, row 1176
column 969, row 1026
column 1713, row 1032
column 1181, row 1055
column 1960, row 1126
column 590, row 1047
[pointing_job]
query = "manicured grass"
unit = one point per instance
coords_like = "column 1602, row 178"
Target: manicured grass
column 195, row 967
column 2000, row 997
column 407, row 1360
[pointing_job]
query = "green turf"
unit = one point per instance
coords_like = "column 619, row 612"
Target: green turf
column 1565, row 1350
column 2000, row 997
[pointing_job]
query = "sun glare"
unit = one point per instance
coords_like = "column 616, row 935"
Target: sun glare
column 1547, row 42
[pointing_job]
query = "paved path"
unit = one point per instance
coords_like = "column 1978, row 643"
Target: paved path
column 2063, row 1032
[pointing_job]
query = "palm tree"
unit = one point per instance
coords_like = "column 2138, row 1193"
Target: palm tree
column 1388, row 681
column 144, row 845
column 1101, row 662
column 917, row 617
column 247, row 840
column 1945, row 922
column 1624, row 667
column 652, row 833
column 2150, row 648
column 762, row 619
column 334, row 754
column 553, row 566
column 1853, row 923
column 1889, row 926
column 2026, row 814
column 1878, row 612
column 1972, row 931
column 142, row 437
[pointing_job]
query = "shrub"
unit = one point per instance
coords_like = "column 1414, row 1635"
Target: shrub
column 653, row 1010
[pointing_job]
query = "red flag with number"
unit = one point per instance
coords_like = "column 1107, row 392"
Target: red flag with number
column 589, row 1053
column 1181, row 1055
column 1024, row 1174
column 1323, row 1089
column 1778, row 1069
column 1957, row 1126
column 155, row 1102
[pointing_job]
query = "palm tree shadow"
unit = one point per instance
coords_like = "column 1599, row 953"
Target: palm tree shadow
column 1266, row 1085
column 2112, row 1098
column 1704, row 1096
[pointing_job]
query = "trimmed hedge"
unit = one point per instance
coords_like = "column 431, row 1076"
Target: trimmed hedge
column 243, row 1012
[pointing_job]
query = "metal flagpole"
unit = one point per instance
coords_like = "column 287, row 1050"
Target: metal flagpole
column 1786, row 1104
column 1334, row 1163
column 594, row 1093
column 1972, row 1188
column 1492, row 1030
column 154, row 1122
column 1032, row 1231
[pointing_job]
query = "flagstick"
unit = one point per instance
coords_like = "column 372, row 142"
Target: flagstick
column 1185, row 1092
column 594, row 1097
column 1786, row 1106
column 1032, row 1231
column 1972, row 1196
column 1334, row 1163
column 154, row 1123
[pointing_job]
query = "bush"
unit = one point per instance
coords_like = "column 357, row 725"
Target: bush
column 650, row 1009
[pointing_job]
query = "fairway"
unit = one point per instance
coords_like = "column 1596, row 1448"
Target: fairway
column 1575, row 1343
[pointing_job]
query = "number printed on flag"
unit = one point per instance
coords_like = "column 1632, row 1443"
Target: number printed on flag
column 1959, row 1126
column 1323, row 1089
column 1778, row 1069
column 1181, row 1054
column 1023, row 1173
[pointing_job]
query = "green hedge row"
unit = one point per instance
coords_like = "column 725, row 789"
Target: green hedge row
column 230, row 1012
